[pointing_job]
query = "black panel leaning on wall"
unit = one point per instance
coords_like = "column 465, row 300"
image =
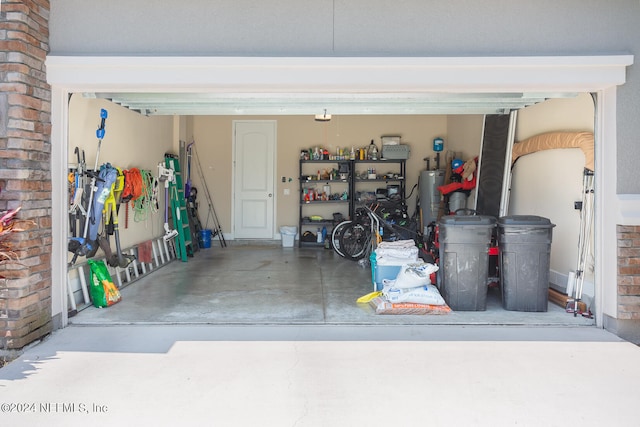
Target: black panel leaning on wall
column 491, row 169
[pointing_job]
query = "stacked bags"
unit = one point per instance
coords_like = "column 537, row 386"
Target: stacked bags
column 398, row 252
column 412, row 291
column 413, row 284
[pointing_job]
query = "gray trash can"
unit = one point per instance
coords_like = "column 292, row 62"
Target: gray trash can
column 525, row 253
column 464, row 260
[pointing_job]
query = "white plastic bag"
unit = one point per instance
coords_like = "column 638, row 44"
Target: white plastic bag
column 415, row 275
column 427, row 294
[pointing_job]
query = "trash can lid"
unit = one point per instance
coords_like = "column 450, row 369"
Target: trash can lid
column 465, row 220
column 524, row 220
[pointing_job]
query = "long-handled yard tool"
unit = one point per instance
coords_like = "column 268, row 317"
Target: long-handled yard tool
column 187, row 185
column 77, row 212
column 110, row 213
column 82, row 246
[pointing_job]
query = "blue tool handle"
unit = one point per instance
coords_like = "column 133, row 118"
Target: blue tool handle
column 103, row 116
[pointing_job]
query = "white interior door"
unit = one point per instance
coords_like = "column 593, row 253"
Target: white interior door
column 254, row 158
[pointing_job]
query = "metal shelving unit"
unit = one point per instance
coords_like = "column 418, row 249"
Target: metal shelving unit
column 399, row 179
column 350, row 184
column 309, row 180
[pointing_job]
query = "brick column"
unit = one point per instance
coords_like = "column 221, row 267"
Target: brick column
column 628, row 272
column 25, row 178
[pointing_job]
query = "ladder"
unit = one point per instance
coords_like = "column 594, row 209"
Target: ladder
column 179, row 214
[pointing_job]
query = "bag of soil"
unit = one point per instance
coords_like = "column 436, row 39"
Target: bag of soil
column 104, row 292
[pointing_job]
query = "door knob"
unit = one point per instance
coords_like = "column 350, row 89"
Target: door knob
column 270, row 194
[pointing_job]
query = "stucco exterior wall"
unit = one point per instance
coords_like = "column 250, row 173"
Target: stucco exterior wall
column 364, row 28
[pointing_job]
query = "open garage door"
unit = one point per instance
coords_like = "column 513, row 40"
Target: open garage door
column 368, row 84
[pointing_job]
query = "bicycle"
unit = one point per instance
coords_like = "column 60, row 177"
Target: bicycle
column 355, row 239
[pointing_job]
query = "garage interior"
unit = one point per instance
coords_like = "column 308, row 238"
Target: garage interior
column 256, row 281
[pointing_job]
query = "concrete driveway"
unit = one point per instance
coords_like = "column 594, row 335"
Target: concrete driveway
column 323, row 375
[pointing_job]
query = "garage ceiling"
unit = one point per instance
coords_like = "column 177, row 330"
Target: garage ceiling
column 185, row 103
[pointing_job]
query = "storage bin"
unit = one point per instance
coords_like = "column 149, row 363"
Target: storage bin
column 464, row 260
column 525, row 253
column 288, row 235
column 389, row 268
column 389, row 272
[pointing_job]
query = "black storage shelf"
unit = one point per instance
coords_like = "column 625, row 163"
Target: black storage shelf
column 349, row 184
column 320, row 202
column 323, row 181
column 316, row 223
column 326, row 161
column 379, row 180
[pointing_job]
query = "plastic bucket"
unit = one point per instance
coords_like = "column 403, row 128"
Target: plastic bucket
column 205, row 239
column 457, row 200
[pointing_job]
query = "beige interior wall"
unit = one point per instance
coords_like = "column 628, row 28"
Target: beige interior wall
column 213, row 157
column 568, row 114
column 131, row 140
column 465, row 135
column 465, row 140
column 214, row 142
column 547, row 183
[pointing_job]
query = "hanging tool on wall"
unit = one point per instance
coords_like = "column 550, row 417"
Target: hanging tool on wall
column 111, row 226
column 77, row 212
column 84, row 246
column 133, row 190
column 166, row 175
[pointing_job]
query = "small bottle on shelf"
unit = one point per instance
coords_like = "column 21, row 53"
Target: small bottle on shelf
column 372, row 153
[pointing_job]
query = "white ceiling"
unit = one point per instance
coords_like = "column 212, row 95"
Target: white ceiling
column 187, row 103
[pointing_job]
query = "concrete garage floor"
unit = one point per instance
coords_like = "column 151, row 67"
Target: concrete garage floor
column 260, row 284
column 254, row 335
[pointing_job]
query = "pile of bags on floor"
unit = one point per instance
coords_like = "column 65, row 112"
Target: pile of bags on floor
column 412, row 291
column 394, row 253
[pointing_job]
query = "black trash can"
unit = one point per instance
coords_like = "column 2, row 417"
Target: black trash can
column 525, row 254
column 464, row 260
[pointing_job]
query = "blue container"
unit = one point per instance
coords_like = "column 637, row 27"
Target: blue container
column 438, row 145
column 205, row 239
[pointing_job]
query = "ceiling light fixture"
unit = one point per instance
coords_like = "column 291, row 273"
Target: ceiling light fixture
column 323, row 117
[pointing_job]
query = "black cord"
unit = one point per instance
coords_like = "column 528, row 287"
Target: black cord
column 411, row 193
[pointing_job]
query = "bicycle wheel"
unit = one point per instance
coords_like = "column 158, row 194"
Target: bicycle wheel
column 335, row 236
column 355, row 241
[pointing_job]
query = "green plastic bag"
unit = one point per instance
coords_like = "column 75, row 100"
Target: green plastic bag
column 104, row 292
